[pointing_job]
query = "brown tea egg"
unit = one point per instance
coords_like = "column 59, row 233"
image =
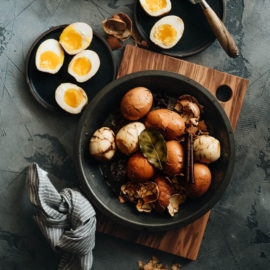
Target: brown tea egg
column 175, row 158
column 170, row 124
column 127, row 138
column 206, row 149
column 136, row 103
column 139, row 169
column 102, row 144
column 202, row 181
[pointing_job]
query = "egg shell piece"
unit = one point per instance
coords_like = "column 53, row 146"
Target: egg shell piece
column 102, row 144
column 84, row 65
column 167, row 31
column 136, row 103
column 156, row 8
column 127, row 138
column 165, row 190
column 49, row 56
column 169, row 123
column 76, row 37
column 71, row 98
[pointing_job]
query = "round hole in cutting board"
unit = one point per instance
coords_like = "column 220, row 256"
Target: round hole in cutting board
column 224, row 93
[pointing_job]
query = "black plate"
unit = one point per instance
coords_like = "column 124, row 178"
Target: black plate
column 43, row 85
column 197, row 34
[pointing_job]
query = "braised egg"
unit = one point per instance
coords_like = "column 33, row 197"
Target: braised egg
column 71, row 98
column 127, row 138
column 167, row 31
column 136, row 103
column 76, row 37
column 156, row 8
column 102, row 144
column 139, row 169
column 84, row 65
column 50, row 56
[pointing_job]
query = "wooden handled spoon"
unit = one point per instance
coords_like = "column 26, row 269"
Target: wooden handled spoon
column 220, row 31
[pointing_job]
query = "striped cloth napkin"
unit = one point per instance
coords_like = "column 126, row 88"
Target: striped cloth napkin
column 66, row 219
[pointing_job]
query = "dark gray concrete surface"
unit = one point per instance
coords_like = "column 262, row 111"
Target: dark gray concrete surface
column 238, row 232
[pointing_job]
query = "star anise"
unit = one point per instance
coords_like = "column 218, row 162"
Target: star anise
column 161, row 100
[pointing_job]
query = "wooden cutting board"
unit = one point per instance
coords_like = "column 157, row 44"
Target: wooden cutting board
column 186, row 241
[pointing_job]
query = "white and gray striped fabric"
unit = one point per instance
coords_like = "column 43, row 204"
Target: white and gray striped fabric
column 66, row 219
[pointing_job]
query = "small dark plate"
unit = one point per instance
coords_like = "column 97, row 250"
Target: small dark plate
column 197, row 34
column 43, row 85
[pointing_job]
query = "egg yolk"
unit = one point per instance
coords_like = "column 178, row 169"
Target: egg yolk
column 166, row 34
column 49, row 60
column 71, row 38
column 82, row 66
column 73, row 97
column 155, row 5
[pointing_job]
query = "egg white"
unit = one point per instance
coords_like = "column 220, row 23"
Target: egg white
column 49, row 56
column 79, row 65
column 77, row 94
column 154, row 8
column 76, row 37
column 176, row 24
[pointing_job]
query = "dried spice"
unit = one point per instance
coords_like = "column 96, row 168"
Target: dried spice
column 154, row 264
column 161, row 100
column 189, row 172
column 153, row 147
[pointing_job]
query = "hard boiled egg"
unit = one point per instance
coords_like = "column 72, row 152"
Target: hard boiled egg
column 84, row 65
column 167, row 31
column 102, row 144
column 50, row 56
column 71, row 97
column 127, row 138
column 76, row 37
column 156, row 8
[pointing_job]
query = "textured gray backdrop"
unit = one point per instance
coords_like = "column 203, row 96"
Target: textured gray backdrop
column 238, row 232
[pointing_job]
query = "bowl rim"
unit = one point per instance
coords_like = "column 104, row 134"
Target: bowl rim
column 174, row 224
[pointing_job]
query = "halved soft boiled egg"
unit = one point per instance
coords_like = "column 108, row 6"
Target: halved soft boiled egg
column 71, row 98
column 156, row 8
column 84, row 65
column 167, row 31
column 50, row 56
column 76, row 37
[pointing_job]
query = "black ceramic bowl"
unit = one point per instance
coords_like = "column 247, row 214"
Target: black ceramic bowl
column 91, row 173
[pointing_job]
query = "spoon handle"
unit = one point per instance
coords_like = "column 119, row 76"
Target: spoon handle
column 220, row 31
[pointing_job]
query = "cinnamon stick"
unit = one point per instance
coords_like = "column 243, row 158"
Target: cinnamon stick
column 192, row 181
column 187, row 157
column 189, row 168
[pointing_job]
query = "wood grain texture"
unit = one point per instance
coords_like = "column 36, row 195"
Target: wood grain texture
column 137, row 59
column 186, row 240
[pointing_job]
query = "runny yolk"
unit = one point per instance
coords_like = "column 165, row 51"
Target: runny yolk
column 72, row 39
column 155, row 5
column 165, row 33
column 81, row 66
column 73, row 97
column 49, row 60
